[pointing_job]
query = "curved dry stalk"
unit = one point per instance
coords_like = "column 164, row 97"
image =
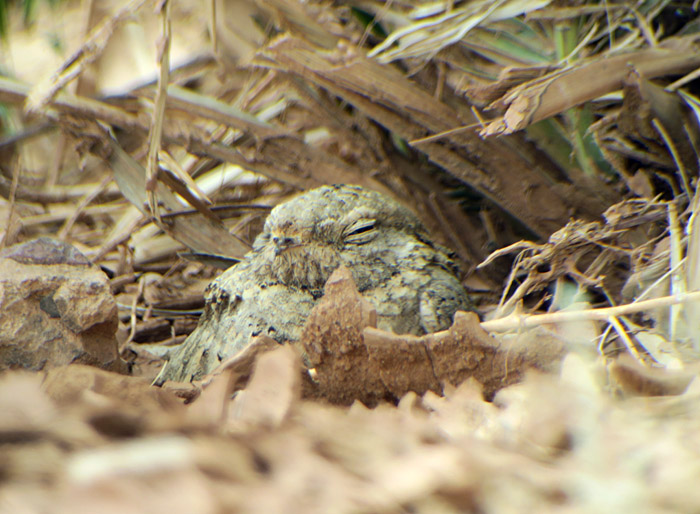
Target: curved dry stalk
column 514, row 321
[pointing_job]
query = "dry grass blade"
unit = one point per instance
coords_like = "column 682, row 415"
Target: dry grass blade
column 15, row 92
column 516, row 321
column 426, row 37
column 210, row 108
column 298, row 19
column 155, row 135
column 556, row 92
column 692, row 270
column 199, row 232
column 277, row 159
column 91, row 50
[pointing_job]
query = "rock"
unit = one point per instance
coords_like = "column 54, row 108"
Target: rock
column 55, row 309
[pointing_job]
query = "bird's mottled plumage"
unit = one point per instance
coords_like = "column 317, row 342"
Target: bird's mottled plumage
column 410, row 281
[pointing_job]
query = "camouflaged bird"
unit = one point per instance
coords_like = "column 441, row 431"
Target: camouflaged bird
column 411, row 281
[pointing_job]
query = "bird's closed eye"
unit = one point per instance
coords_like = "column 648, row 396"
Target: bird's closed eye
column 360, row 231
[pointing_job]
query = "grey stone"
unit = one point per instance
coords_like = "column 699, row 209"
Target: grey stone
column 55, row 309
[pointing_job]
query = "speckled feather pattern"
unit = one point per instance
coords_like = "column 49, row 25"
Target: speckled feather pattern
column 411, row 281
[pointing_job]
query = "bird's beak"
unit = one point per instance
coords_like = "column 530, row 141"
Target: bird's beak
column 283, row 243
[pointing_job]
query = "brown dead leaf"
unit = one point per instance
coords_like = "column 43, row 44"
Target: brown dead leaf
column 69, row 384
column 35, row 409
column 174, row 487
column 212, row 403
column 334, row 345
column 354, row 361
column 241, row 365
column 637, row 380
column 114, row 405
column 273, row 389
column 208, row 406
column 452, row 356
column 541, row 412
column 463, row 410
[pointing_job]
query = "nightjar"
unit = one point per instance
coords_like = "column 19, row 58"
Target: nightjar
column 411, row 281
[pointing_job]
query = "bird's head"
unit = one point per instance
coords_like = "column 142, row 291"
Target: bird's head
column 303, row 239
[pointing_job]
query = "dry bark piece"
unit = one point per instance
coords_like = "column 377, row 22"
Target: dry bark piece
column 55, row 309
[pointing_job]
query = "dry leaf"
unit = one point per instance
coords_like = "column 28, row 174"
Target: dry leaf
column 272, row 391
column 637, row 380
column 353, row 361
